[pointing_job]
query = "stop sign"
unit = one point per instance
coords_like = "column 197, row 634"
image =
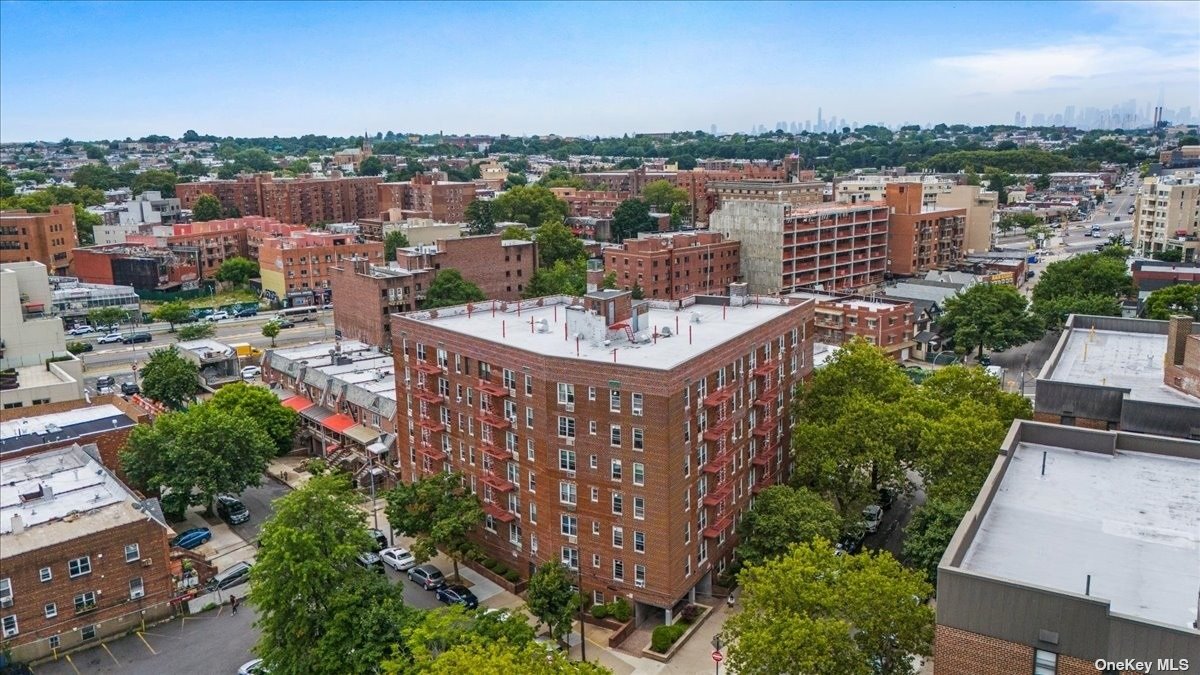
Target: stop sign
column 717, row 656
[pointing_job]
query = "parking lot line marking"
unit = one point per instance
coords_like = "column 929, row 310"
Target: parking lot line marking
column 143, row 639
column 110, row 653
column 70, row 661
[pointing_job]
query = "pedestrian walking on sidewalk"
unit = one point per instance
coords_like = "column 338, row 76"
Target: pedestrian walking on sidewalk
column 233, row 603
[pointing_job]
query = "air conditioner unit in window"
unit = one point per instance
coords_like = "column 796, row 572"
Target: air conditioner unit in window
column 147, row 562
column 571, row 441
column 10, row 632
column 136, row 594
column 570, row 407
column 641, row 583
column 6, row 602
column 572, row 539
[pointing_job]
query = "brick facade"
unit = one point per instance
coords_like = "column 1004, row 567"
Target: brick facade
column 501, row 270
column 301, row 263
column 295, row 200
column 677, row 266
column 960, row 652
column 110, row 442
column 424, row 197
column 365, row 296
column 918, row 239
column 47, row 238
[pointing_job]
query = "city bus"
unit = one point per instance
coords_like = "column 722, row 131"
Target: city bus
column 307, row 313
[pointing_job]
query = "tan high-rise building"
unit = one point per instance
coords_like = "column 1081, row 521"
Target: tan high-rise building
column 1166, row 215
column 980, row 207
column 42, row 237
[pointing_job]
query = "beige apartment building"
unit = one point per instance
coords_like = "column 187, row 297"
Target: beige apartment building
column 37, row 368
column 980, row 207
column 1167, row 215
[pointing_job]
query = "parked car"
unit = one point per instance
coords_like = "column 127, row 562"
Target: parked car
column 217, row 316
column 82, row 329
column 111, row 338
column 134, row 338
column 249, row 311
column 370, row 561
column 381, row 540
column 250, row 372
column 872, row 516
column 457, row 595
column 427, row 576
column 130, row 388
column 234, row 575
column 232, row 510
column 192, row 538
column 254, row 667
column 852, row 539
column 328, row 305
column 105, row 381
column 398, row 559
column 283, row 323
column 80, row 347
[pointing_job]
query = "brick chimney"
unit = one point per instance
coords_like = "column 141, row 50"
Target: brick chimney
column 595, row 275
column 1179, row 327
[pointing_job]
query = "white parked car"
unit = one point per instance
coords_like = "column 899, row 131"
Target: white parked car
column 111, row 338
column 250, row 372
column 218, row 316
column 81, row 330
column 872, row 516
column 398, row 559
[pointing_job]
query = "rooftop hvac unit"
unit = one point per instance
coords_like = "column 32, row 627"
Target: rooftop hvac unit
column 695, row 317
column 666, row 331
column 543, row 326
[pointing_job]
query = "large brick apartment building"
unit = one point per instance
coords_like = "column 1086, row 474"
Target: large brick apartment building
column 81, row 557
column 297, row 268
column 881, row 321
column 922, row 238
column 424, row 197
column 676, row 265
column 290, row 200
column 623, row 439
column 47, row 238
column 500, row 267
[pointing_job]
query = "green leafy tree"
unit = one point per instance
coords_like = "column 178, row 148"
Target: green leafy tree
column 609, row 281
column 194, row 455
column 663, row 196
column 107, row 316
column 518, row 165
column 995, row 316
column 631, row 217
column 1168, row 255
column 207, row 207
column 1172, row 300
column 562, row 278
column 439, row 512
column 196, row 331
column 449, row 288
column 396, row 239
column 556, row 242
column 529, row 204
column 94, row 151
column 558, row 176
column 169, row 378
column 270, row 329
column 928, row 534
column 813, row 611
column 98, row 176
column 552, row 598
column 371, row 166
column 237, row 271
column 1023, row 220
column 299, row 166
column 155, row 180
column 1083, row 284
column 173, row 312
column 1042, row 182
column 480, row 218
column 516, row 232
column 259, row 404
column 781, row 517
column 318, row 610
column 503, row 658
column 637, row 292
column 85, row 224
column 441, row 630
column 513, row 180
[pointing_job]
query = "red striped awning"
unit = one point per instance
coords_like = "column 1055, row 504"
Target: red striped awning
column 338, row 423
column 297, row 403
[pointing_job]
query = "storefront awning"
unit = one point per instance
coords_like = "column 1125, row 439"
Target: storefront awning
column 315, row 413
column 362, row 434
column 297, row 403
column 338, row 423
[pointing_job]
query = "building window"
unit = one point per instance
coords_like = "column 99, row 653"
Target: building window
column 618, row 537
column 569, row 525
column 639, row 575
column 639, row 542
column 618, row 504
column 595, row 494
column 532, row 482
column 79, row 566
column 614, row 435
column 489, row 524
column 6, row 592
column 10, row 625
column 618, row 570
column 639, row 473
column 54, row 642
column 85, row 601
column 566, row 393
column 132, row 553
column 570, row 557
column 88, row 632
column 614, row 400
column 635, row 402
column 533, row 514
column 1044, row 662
column 566, row 460
column 615, row 469
column 45, row 574
column 592, row 463
column 595, row 528
column 592, row 427
column 566, row 427
column 639, row 438
column 136, row 588
column 528, row 385
column 591, row 393
column 567, row 492
column 639, row 508
column 50, row 610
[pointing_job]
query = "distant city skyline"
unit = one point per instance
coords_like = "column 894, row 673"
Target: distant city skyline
column 264, row 69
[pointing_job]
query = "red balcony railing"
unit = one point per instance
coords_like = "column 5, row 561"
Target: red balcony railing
column 719, row 396
column 494, row 451
column 720, row 493
column 492, row 419
column 765, row 457
column 767, row 397
column 426, row 367
column 427, row 450
column 428, row 396
column 494, row 510
column 431, row 424
column 719, row 430
column 713, row 531
column 718, row 462
column 498, row 483
column 764, row 427
column 491, row 388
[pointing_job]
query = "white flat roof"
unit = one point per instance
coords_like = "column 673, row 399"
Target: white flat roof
column 1119, row 359
column 716, row 326
column 23, row 426
column 317, row 350
column 1130, row 520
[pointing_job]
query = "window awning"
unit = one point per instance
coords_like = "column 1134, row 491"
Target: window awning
column 338, row 422
column 362, row 434
column 315, row 413
column 297, row 403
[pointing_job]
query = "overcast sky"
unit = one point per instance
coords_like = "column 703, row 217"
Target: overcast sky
column 110, row 70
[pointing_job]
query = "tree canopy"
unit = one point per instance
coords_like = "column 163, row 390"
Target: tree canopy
column 553, row 599
column 631, row 217
column 237, row 270
column 556, row 242
column 107, row 316
column 206, row 207
column 449, row 288
column 172, row 312
column 1171, row 300
column 169, row 378
column 558, row 176
column 814, row 611
column 928, row 534
column 259, row 404
column 662, row 195
column 780, row 517
column 396, row 239
column 271, row 329
column 439, row 513
column 1083, row 284
column 479, row 217
column 196, row 331
column 995, row 316
column 371, row 166
column 562, row 278
column 529, row 204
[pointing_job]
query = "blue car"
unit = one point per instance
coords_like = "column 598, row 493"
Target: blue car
column 192, row 538
column 457, row 595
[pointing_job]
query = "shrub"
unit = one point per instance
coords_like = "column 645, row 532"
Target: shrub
column 620, row 610
column 600, row 611
column 664, row 636
column 511, row 576
column 490, row 564
column 690, row 613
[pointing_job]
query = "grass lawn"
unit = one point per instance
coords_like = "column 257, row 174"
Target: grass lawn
column 223, row 298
